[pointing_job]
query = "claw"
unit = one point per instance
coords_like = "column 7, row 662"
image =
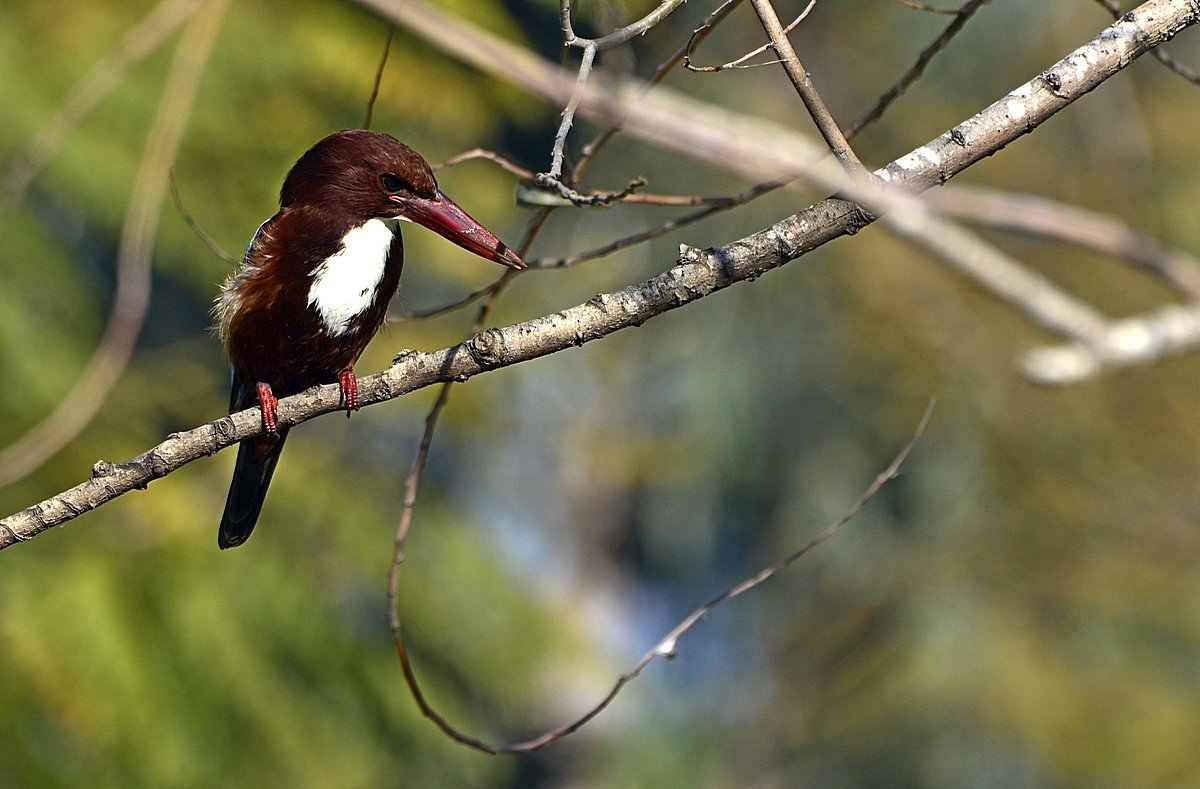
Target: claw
column 349, row 386
column 270, row 409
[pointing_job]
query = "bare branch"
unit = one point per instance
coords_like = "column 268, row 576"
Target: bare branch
column 1040, row 300
column 135, row 46
column 1040, row 216
column 552, row 179
column 806, row 89
column 411, row 486
column 1159, row 55
column 378, row 80
column 191, row 222
column 666, row 647
column 568, row 113
column 589, row 198
column 914, row 73
column 1127, row 342
column 697, row 274
column 1010, row 118
column 132, row 295
column 434, row 312
column 925, row 7
column 505, row 164
column 619, row 36
column 717, row 205
column 740, row 62
column 589, row 151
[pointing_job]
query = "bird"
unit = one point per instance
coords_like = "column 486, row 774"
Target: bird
column 314, row 286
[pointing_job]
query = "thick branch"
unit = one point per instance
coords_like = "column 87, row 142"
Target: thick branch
column 1127, row 342
column 697, row 273
column 1024, row 109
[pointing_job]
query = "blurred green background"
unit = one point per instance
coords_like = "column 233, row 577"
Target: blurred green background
column 1020, row 608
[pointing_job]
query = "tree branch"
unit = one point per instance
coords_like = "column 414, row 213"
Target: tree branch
column 138, row 43
column 1125, row 342
column 805, row 88
column 696, row 274
column 131, row 298
column 666, row 647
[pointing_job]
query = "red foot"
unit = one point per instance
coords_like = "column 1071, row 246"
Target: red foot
column 270, row 409
column 349, row 386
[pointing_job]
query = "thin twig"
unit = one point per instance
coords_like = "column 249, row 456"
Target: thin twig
column 506, row 164
column 132, row 296
column 434, row 312
column 568, row 113
column 535, row 226
column 740, row 63
column 590, row 150
column 619, row 36
column 914, row 73
column 666, row 647
column 191, row 222
column 722, row 204
column 712, row 204
column 586, row 196
column 807, row 90
column 589, row 198
column 926, row 7
column 135, row 46
column 552, row 179
column 411, row 487
column 378, row 80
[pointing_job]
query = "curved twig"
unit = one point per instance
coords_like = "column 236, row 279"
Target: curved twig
column 739, row 63
column 135, row 46
column 132, row 295
column 696, row 275
column 666, row 647
column 961, row 16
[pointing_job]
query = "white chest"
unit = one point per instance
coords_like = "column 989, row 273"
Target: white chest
column 344, row 285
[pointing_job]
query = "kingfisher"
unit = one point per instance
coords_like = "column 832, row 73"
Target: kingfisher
column 314, row 286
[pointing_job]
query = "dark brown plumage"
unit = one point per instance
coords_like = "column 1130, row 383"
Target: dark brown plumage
column 314, row 286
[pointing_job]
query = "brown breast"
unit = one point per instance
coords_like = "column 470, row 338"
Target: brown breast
column 272, row 330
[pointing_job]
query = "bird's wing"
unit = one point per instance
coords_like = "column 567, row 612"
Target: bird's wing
column 241, row 396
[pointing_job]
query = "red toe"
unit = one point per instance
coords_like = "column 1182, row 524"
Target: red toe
column 349, row 386
column 269, row 405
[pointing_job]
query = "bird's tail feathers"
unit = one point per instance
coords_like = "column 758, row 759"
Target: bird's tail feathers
column 251, row 477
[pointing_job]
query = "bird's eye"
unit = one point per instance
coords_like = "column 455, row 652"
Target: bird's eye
column 392, row 183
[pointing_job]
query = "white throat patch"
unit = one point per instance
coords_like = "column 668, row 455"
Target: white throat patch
column 344, row 284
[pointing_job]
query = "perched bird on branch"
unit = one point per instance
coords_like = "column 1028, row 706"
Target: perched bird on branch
column 314, row 286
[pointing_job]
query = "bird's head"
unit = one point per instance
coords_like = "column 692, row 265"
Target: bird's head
column 367, row 175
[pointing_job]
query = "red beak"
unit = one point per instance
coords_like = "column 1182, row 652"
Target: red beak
column 443, row 216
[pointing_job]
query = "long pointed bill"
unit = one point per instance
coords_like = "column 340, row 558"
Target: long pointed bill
column 443, row 216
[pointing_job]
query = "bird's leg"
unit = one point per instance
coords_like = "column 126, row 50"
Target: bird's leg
column 270, row 409
column 349, row 386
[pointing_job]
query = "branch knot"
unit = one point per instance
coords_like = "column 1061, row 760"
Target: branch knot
column 488, row 348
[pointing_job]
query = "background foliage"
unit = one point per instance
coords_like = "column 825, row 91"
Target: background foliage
column 1020, row 608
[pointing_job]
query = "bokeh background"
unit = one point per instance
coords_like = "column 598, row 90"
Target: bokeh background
column 1020, row 608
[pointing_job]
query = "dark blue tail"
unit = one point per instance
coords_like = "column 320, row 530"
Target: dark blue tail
column 251, row 477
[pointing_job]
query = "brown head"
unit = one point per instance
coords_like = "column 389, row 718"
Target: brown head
column 363, row 174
